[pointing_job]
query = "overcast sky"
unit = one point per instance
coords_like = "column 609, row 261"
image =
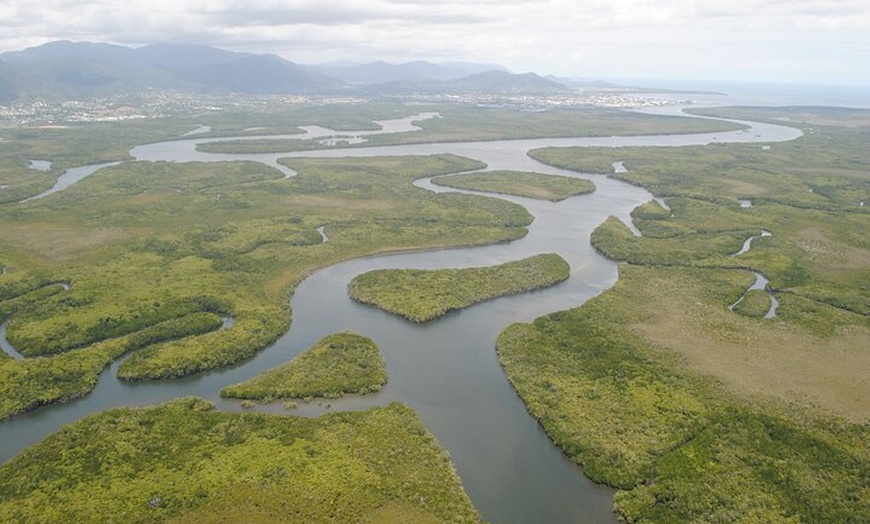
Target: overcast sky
column 808, row 41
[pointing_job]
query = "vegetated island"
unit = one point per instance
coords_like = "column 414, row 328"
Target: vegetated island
column 520, row 183
column 722, row 415
column 183, row 462
column 338, row 364
column 422, row 295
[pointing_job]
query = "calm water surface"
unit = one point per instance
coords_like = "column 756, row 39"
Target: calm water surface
column 446, row 370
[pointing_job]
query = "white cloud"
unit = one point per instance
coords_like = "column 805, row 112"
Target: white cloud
column 588, row 38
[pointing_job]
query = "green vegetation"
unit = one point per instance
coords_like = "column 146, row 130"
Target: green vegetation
column 68, row 147
column 464, row 123
column 182, row 462
column 616, row 241
column 520, row 183
column 28, row 299
column 423, row 295
column 83, row 144
column 93, row 143
column 340, row 364
column 806, row 192
column 34, row 382
column 695, row 412
column 146, row 243
column 756, row 304
column 262, row 146
column 281, row 118
column 616, row 384
column 809, row 118
column 698, row 413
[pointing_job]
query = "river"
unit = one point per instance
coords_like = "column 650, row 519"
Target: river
column 446, row 370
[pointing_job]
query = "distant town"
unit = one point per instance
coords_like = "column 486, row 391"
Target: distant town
column 63, row 83
column 164, row 104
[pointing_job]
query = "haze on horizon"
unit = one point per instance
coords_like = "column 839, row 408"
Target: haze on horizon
column 811, row 41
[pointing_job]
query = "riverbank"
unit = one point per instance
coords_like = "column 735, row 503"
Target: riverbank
column 722, row 412
column 445, row 371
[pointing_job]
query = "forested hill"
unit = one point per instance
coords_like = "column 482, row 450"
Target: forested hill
column 66, row 70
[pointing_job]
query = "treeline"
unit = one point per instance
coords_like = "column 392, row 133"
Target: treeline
column 184, row 462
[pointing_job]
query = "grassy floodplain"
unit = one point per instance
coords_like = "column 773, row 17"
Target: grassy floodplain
column 423, row 295
column 337, row 365
column 756, row 304
column 698, row 413
column 183, row 462
column 520, row 183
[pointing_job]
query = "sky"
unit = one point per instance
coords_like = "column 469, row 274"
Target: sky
column 796, row 41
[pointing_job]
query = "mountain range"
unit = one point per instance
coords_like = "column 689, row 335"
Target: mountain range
column 66, row 70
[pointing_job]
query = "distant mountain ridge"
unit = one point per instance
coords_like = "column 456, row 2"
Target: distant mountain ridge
column 77, row 70
column 418, row 71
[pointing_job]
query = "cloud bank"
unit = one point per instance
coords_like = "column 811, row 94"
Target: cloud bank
column 824, row 41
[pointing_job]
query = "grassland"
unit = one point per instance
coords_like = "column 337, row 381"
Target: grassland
column 424, row 295
column 698, row 413
column 337, row 365
column 756, row 304
column 520, row 183
column 182, row 462
column 145, row 243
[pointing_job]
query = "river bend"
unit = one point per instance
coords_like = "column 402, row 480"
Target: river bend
column 446, row 370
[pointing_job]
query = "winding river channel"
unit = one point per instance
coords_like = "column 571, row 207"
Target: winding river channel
column 446, row 370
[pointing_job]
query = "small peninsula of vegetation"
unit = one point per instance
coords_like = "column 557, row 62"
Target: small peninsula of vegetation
column 520, row 183
column 339, row 364
column 696, row 412
column 34, row 382
column 423, row 295
column 146, row 243
column 183, row 462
